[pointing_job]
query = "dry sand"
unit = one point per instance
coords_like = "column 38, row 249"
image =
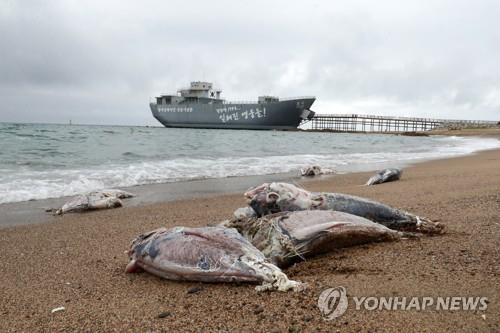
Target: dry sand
column 78, row 261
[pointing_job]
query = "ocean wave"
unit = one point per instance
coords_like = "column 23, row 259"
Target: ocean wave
column 22, row 185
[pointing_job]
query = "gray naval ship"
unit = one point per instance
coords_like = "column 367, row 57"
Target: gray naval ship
column 201, row 106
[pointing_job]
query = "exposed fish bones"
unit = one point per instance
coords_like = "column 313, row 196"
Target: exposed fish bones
column 290, row 236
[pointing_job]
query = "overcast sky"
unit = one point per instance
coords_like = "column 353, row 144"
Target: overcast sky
column 99, row 62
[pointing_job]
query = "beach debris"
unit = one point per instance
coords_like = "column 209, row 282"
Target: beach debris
column 270, row 198
column 103, row 199
column 194, row 290
column 208, row 254
column 287, row 237
column 315, row 170
column 164, row 314
column 384, row 176
column 59, row 309
column 258, row 309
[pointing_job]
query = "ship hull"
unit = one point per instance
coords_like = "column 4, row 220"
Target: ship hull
column 281, row 115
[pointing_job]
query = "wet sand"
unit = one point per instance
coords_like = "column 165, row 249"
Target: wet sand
column 78, row 261
column 492, row 132
column 33, row 212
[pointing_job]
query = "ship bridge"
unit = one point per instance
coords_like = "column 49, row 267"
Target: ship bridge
column 198, row 92
column 200, row 89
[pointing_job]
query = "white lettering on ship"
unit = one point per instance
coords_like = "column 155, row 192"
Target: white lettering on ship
column 247, row 114
column 227, row 109
column 176, row 109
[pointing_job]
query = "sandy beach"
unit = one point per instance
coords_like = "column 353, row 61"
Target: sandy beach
column 78, row 261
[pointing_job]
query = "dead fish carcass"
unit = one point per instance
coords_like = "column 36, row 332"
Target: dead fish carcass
column 384, row 176
column 270, row 198
column 314, row 170
column 94, row 200
column 208, row 254
column 287, row 237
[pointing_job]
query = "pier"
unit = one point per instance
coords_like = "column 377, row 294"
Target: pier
column 384, row 124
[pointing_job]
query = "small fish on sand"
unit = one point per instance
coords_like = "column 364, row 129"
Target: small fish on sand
column 94, row 200
column 384, row 176
column 287, row 237
column 270, row 198
column 207, row 254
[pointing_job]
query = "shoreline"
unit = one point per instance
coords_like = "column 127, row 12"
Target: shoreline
column 77, row 261
column 34, row 211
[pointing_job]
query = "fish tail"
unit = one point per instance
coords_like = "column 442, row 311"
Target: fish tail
column 427, row 226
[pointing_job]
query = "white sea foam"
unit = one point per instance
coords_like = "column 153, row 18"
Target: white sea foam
column 27, row 184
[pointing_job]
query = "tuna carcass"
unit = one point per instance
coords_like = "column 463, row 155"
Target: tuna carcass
column 94, row 200
column 287, row 237
column 270, row 198
column 208, row 254
column 384, row 176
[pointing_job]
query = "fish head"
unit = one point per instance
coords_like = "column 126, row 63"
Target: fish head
column 262, row 200
column 138, row 242
column 276, row 197
column 137, row 246
column 253, row 191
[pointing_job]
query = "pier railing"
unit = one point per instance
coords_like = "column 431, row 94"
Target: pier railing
column 371, row 123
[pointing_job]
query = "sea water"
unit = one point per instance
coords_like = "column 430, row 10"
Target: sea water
column 40, row 161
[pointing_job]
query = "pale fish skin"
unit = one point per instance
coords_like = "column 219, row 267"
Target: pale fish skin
column 244, row 212
column 103, row 199
column 120, row 194
column 270, row 198
column 208, row 254
column 384, row 176
column 287, row 237
column 315, row 170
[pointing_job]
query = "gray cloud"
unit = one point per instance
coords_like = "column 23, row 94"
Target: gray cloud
column 100, row 63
